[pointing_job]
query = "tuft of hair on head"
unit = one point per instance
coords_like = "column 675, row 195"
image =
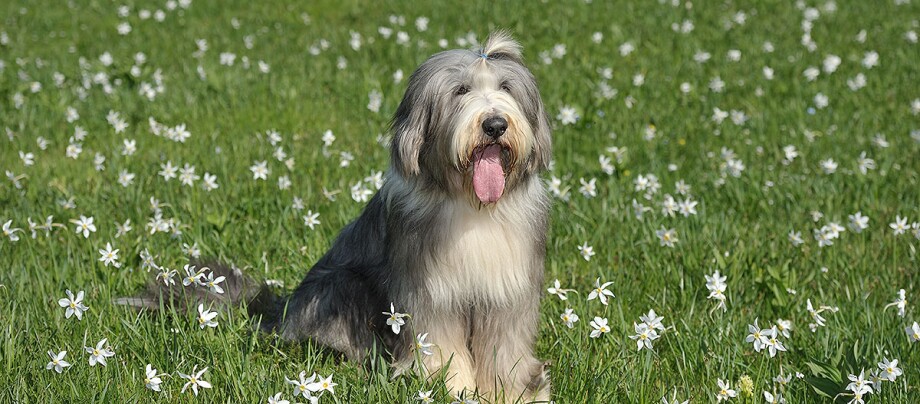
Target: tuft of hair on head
column 500, row 45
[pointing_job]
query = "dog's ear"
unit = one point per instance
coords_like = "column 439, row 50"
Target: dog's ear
column 410, row 125
column 543, row 142
column 539, row 122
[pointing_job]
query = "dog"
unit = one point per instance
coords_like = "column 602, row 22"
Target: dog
column 455, row 237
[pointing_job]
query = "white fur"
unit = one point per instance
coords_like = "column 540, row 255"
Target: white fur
column 486, row 262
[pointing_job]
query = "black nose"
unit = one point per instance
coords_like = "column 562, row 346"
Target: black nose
column 494, row 126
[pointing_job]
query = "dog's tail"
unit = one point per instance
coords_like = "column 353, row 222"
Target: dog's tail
column 167, row 292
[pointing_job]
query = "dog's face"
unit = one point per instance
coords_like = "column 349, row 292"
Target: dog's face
column 472, row 124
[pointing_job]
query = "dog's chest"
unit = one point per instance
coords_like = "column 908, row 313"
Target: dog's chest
column 484, row 261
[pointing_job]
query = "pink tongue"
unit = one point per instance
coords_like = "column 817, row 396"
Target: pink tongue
column 488, row 178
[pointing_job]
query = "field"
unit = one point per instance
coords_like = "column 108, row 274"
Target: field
column 772, row 143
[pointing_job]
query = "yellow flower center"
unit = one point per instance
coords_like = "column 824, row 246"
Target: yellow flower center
column 95, row 352
column 73, row 305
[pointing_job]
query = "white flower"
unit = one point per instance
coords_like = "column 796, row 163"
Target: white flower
column 870, row 59
column 687, row 207
column 831, row 62
column 811, row 73
column 600, row 292
column 311, row 219
column 790, row 154
column 588, row 188
column 84, row 225
column 98, row 353
column 899, row 226
column 375, row 99
column 194, row 380
column 168, row 171
column 757, row 337
column 599, row 326
column 644, row 335
column 900, row 302
column 859, row 384
column 889, row 370
column 667, row 237
column 821, row 101
column 865, row 164
column 260, row 170
column 301, row 385
column 586, row 251
column 73, row 305
column 422, row 346
column 152, row 381
column 913, row 332
column 768, row 73
column 276, row 399
column 57, row 361
column 569, row 318
column 773, row 343
column 725, row 391
column 557, row 290
column 10, row 232
column 858, row 222
column 784, row 327
column 716, row 285
column 187, row 175
column 424, row 397
column 206, row 318
column 210, row 182
column 829, row 166
column 568, row 115
column 394, row 319
column 213, row 284
column 109, row 256
column 328, row 138
column 192, row 276
column 323, row 384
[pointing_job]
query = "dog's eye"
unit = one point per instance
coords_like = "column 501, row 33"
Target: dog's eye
column 462, row 90
column 506, row 87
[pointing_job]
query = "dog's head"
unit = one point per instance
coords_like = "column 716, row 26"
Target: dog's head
column 472, row 123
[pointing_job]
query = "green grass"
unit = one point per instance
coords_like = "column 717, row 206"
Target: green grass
column 740, row 229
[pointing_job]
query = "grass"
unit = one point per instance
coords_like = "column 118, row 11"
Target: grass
column 741, row 228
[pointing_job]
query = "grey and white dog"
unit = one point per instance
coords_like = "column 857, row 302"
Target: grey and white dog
column 455, row 237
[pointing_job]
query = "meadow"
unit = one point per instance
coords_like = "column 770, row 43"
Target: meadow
column 749, row 170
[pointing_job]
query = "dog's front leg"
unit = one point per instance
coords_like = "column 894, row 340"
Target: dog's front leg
column 502, row 346
column 448, row 334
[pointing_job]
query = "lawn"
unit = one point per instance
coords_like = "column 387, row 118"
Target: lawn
column 776, row 143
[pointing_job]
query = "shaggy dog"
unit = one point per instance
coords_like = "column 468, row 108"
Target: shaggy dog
column 455, row 237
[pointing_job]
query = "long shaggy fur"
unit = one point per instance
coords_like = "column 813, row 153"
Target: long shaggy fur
column 468, row 272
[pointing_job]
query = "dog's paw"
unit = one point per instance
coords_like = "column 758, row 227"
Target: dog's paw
column 539, row 386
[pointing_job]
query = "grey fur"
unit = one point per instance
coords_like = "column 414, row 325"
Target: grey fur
column 406, row 248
